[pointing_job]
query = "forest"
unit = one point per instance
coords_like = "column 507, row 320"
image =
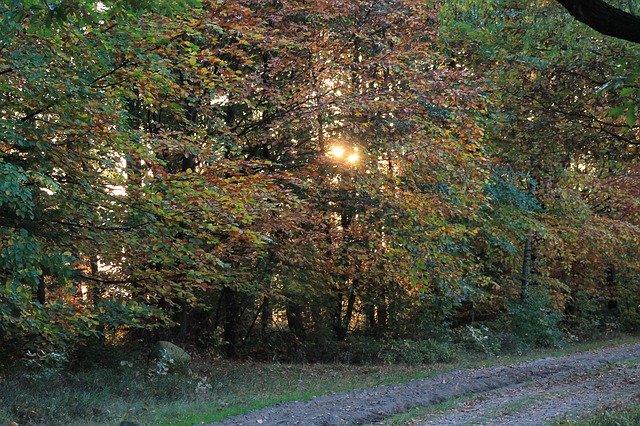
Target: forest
column 357, row 181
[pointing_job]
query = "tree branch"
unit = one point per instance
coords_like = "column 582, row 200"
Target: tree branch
column 605, row 18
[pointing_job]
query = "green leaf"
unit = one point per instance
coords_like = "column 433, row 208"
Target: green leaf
column 631, row 116
column 628, row 92
column 617, row 111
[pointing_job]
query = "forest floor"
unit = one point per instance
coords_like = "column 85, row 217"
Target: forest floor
column 530, row 393
column 119, row 384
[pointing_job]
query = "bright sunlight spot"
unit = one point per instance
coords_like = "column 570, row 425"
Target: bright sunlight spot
column 353, row 158
column 349, row 155
column 336, row 151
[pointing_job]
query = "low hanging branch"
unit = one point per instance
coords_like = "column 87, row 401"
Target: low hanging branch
column 605, row 18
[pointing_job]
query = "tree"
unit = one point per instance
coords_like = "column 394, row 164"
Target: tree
column 560, row 138
column 321, row 169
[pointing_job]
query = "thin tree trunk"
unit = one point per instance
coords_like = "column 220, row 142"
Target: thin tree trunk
column 230, row 324
column 96, row 291
column 183, row 322
column 612, row 303
column 294, row 320
column 370, row 313
column 382, row 314
column 350, row 305
column 41, row 292
column 255, row 319
column 337, row 315
column 266, row 316
column 216, row 318
column 526, row 267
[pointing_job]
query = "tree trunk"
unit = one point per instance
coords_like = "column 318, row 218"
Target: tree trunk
column 96, row 290
column 370, row 312
column 295, row 320
column 526, row 267
column 266, row 316
column 41, row 292
column 230, row 324
column 349, row 313
column 382, row 314
column 183, row 321
column 612, row 303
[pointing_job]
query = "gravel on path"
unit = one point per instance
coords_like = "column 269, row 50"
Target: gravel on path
column 376, row 404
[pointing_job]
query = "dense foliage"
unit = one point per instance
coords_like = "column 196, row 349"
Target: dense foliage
column 294, row 178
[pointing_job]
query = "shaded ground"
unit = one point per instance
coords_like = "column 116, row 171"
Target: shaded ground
column 529, row 393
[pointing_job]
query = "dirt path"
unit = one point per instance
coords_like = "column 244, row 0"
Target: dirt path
column 528, row 393
column 545, row 400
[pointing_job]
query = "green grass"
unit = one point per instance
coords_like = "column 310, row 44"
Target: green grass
column 422, row 412
column 419, row 415
column 512, row 407
column 210, row 391
column 628, row 415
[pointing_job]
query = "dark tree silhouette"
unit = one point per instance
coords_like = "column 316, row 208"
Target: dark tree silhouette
column 605, row 18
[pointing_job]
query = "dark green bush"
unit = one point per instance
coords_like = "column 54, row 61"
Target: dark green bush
column 534, row 323
column 628, row 313
column 587, row 316
column 360, row 349
column 419, row 351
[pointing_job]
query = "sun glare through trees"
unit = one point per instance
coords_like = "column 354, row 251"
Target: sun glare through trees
column 348, row 180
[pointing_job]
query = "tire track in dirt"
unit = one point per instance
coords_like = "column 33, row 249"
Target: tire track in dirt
column 376, row 404
column 542, row 401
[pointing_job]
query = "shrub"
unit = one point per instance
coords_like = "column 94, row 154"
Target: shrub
column 419, row 351
column 480, row 339
column 587, row 317
column 534, row 323
column 360, row 349
column 628, row 293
